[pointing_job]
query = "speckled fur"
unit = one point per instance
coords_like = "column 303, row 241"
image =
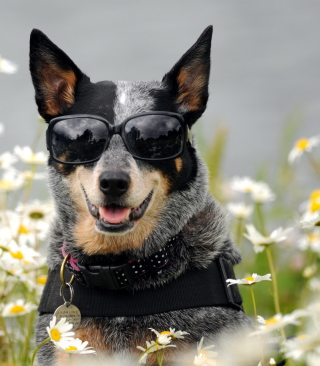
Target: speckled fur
column 190, row 210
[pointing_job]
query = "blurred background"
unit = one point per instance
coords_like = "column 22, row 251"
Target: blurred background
column 265, row 62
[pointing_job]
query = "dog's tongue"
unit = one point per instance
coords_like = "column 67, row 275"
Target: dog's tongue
column 114, row 214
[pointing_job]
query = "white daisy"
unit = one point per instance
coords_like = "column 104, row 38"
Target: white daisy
column 179, row 334
column 204, row 356
column 243, row 185
column 259, row 241
column 60, row 332
column 10, row 181
column 75, row 346
column 255, row 278
column 300, row 346
column 163, row 337
column 21, row 253
column 262, row 193
column 29, row 157
column 278, row 321
column 310, row 219
column 240, row 211
column 6, row 160
column 301, row 146
column 151, row 348
column 17, row 308
column 7, row 66
column 310, row 241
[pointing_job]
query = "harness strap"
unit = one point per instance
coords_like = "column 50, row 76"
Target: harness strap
column 193, row 289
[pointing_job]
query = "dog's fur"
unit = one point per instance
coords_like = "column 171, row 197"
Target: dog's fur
column 180, row 200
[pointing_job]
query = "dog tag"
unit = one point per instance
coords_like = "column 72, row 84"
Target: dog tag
column 70, row 312
column 67, row 310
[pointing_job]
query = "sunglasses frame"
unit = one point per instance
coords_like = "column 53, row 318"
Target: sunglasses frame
column 118, row 130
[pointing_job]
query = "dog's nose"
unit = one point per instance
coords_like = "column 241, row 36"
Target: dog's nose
column 114, row 183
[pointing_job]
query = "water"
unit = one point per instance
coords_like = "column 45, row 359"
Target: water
column 265, row 61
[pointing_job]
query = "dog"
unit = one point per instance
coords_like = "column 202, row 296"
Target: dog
column 129, row 187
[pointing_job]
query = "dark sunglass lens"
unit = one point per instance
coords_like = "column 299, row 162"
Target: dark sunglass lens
column 78, row 140
column 154, row 136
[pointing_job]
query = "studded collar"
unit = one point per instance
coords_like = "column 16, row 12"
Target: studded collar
column 120, row 275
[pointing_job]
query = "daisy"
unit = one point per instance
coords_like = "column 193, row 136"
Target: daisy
column 29, row 157
column 243, row 185
column 262, row 193
column 21, row 253
column 255, row 278
column 259, row 241
column 301, row 146
column 17, row 308
column 59, row 332
column 75, row 346
column 151, row 348
column 310, row 241
column 6, row 160
column 302, row 345
column 35, row 210
column 310, row 219
column 179, row 334
column 10, row 181
column 240, row 211
column 163, row 337
column 204, row 356
column 278, row 321
column 7, row 66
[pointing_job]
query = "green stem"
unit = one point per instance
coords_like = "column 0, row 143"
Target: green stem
column 70, row 359
column 239, row 232
column 275, row 287
column 162, row 358
column 158, row 359
column 254, row 305
column 315, row 165
column 262, row 227
column 37, row 349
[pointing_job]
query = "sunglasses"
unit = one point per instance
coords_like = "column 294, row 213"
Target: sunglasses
column 83, row 138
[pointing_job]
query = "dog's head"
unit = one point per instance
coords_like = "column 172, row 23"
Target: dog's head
column 118, row 202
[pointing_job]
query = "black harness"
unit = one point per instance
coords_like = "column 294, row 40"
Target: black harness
column 105, row 290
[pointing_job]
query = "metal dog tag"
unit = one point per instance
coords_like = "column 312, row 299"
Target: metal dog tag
column 71, row 313
column 67, row 310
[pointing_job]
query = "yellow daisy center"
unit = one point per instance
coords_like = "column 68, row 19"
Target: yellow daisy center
column 17, row 255
column 55, row 334
column 165, row 332
column 6, row 184
column 203, row 353
column 313, row 237
column 315, row 201
column 23, row 230
column 71, row 348
column 17, row 309
column 42, row 280
column 302, row 144
column 271, row 321
column 249, row 278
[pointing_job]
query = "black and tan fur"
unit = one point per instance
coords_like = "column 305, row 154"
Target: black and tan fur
column 180, row 201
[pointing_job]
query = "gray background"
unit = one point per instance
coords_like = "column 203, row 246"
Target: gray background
column 265, row 61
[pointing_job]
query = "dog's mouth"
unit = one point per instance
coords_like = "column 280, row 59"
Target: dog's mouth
column 115, row 218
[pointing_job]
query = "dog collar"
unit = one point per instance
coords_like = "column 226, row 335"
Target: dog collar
column 193, row 289
column 120, row 275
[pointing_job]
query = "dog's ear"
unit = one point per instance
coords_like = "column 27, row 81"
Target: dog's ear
column 188, row 79
column 54, row 75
